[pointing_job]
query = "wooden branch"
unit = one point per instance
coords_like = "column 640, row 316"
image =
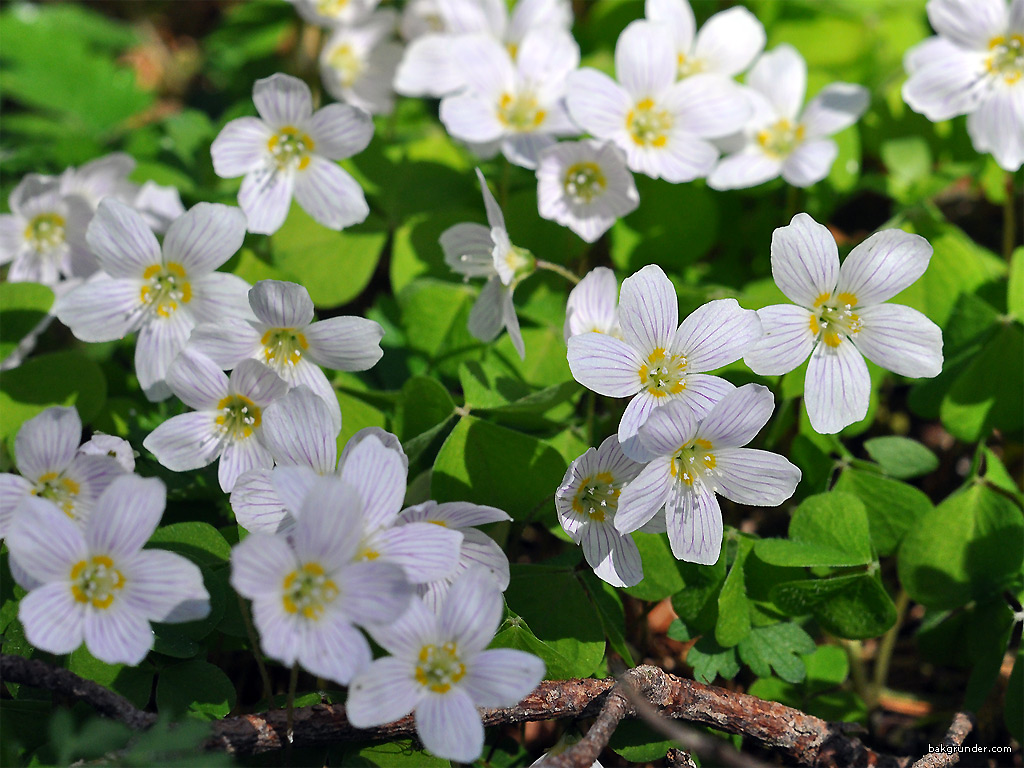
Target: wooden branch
column 962, row 725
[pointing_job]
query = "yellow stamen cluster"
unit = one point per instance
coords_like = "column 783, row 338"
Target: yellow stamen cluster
column 96, row 581
column 166, row 288
column 58, row 489
column 1006, row 57
column 584, row 181
column 686, row 66
column 647, row 125
column 439, row 667
column 308, row 591
column 238, row 416
column 45, row 232
column 693, row 461
column 330, row 8
column 347, row 63
column 290, row 146
column 283, row 347
column 781, row 138
column 597, row 497
column 663, row 374
column 520, row 112
column 833, row 318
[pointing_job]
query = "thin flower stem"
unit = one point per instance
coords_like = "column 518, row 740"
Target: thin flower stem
column 881, row 672
column 854, row 651
column 792, row 202
column 506, row 179
column 1009, row 217
column 558, row 269
column 254, row 641
column 293, row 683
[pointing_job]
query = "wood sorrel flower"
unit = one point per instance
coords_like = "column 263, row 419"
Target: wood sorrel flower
column 693, row 460
column 97, row 584
column 841, row 318
column 593, row 305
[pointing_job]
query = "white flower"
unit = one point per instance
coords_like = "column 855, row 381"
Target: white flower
column 284, row 337
column 974, row 67
column 655, row 362
column 663, row 126
column 841, row 318
column 109, row 445
column 439, row 669
column 585, row 186
column 517, row 105
column 226, row 422
column 292, row 150
column 693, row 460
column 478, row 550
column 163, row 295
column 726, row 45
column 334, row 13
column 52, row 467
column 98, row 585
column 308, row 593
column 587, row 502
column 43, row 237
column 428, row 67
column 593, row 305
column 780, row 139
column 474, row 250
column 358, row 63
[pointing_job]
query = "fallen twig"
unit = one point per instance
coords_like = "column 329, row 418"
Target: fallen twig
column 962, row 725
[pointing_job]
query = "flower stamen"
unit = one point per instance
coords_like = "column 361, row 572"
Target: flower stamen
column 781, row 138
column 168, row 287
column 238, row 417
column 439, row 667
column 663, row 374
column 308, row 591
column 584, row 181
column 96, row 581
column 597, row 497
column 647, row 125
column 291, row 147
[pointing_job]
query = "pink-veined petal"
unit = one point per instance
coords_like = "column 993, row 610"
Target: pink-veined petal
column 702, row 392
column 160, row 340
column 695, row 526
column 472, row 612
column 345, row 343
column 197, row 380
column 643, row 497
column 238, row 457
column 257, row 506
column 205, row 237
column 121, row 240
column 613, row 556
column 597, row 103
column 188, row 441
column 281, row 304
column 298, row 429
column 44, row 541
column 837, row 387
column 339, row 131
column 117, row 635
column 425, row 551
column 52, row 618
column 257, row 382
column 219, row 296
column 901, row 340
column 332, row 648
column 227, row 342
column 383, row 692
column 164, row 586
column 240, row 146
column 265, row 197
column 604, row 364
column 449, row 726
column 501, row 677
column 126, row 515
column 329, row 520
column 102, row 309
column 805, row 260
column 13, row 490
column 716, row 334
column 259, row 565
column 648, row 309
column 282, row 100
column 330, row 195
column 758, row 478
column 787, row 341
column 945, row 80
column 638, row 410
column 48, row 442
column 738, row 417
column 883, row 265
column 374, row 592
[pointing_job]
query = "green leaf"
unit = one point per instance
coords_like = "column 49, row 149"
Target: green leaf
column 488, row 464
column 170, row 642
column 357, row 414
column 968, row 547
column 58, row 378
column 606, row 601
column 514, row 633
column 778, row 647
column 829, row 529
column 394, row 754
column 633, row 740
column 424, row 403
column 195, row 688
column 334, row 266
column 697, row 602
column 854, row 606
column 710, row 660
column 435, row 316
column 134, row 683
column 988, row 635
column 893, row 507
column 22, row 307
column 199, row 542
column 1015, row 288
column 986, row 394
column 901, row 457
column 733, row 606
column 661, row 569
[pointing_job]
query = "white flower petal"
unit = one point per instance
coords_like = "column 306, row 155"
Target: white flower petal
column 648, row 309
column 524, row 149
column 126, row 515
column 265, row 197
column 379, row 476
column 604, row 364
column 374, row 592
column 282, row 100
column 240, row 146
column 428, row 68
column 613, row 556
column 197, row 380
column 900, row 339
column 486, row 317
column 729, row 41
column 597, row 103
column 781, row 76
column 695, row 526
column 480, row 551
column 44, row 541
column 837, row 106
column 226, row 343
column 810, row 162
column 333, row 649
column 997, row 126
column 472, row 612
column 716, row 334
column 292, row 485
column 501, row 677
column 449, row 726
column 117, row 635
column 298, row 429
column 467, row 249
column 702, row 392
column 645, row 59
column 383, row 692
column 339, row 131
column 278, row 630
column 945, row 80
column 13, row 490
column 189, row 441
column 205, row 237
column 102, row 309
column 708, row 106
column 668, row 429
column 787, row 341
column 52, row 618
column 425, row 551
column 643, row 497
column 406, row 635
column 744, row 169
column 256, row 381
column 805, row 260
column 837, row 387
column 970, row 25
column 281, row 304
column 462, row 514
column 638, row 410
column 677, row 17
column 219, row 296
column 259, row 565
column 48, row 442
column 345, row 343
column 121, row 240
column 330, row 195
column 163, row 586
column 511, row 322
column 257, row 506
column 738, row 417
column 758, row 478
column 593, row 304
column 160, row 340
column 883, row 265
column 329, row 518
column 239, row 456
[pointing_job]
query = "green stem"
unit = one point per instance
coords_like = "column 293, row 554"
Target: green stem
column 293, row 683
column 591, row 407
column 254, row 641
column 860, row 679
column 557, row 269
column 792, row 202
column 1009, row 217
column 886, row 647
column 506, row 179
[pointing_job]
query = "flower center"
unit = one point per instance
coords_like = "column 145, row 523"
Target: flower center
column 781, row 138
column 1006, row 57
column 347, row 63
column 520, row 112
column 833, row 318
column 96, row 581
column 330, row 7
column 167, row 287
column 290, row 146
column 519, row 264
column 663, row 374
column 58, row 489
column 439, row 667
column 648, row 125
column 45, row 232
column 584, row 181
column 283, row 347
column 693, row 461
column 308, row 591
column 597, row 497
column 686, row 66
column 239, row 416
